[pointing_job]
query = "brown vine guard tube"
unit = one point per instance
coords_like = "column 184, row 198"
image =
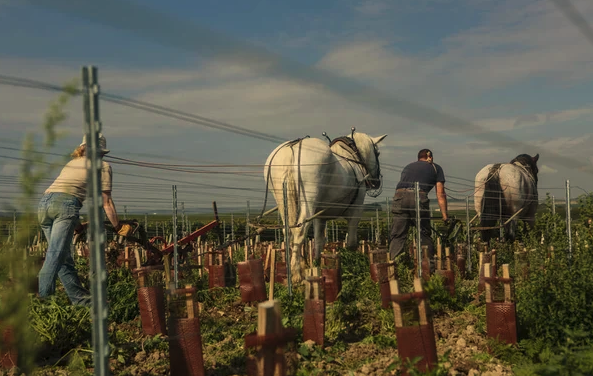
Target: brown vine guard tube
column 251, row 280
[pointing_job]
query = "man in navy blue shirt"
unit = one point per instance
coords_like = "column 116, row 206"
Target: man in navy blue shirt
column 428, row 174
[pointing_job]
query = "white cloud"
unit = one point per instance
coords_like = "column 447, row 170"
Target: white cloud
column 518, row 41
column 370, row 60
column 535, row 119
column 568, row 145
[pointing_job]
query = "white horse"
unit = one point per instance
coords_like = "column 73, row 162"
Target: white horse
column 510, row 185
column 328, row 180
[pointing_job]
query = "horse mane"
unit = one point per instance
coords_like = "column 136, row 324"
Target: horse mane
column 527, row 161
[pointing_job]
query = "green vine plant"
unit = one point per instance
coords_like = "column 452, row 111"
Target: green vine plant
column 18, row 271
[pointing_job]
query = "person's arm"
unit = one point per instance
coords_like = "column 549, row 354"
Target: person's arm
column 442, row 199
column 110, row 211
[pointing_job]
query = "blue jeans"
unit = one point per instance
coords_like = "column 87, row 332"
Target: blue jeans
column 58, row 215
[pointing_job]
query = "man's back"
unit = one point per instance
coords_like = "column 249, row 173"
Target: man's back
column 73, row 179
column 425, row 173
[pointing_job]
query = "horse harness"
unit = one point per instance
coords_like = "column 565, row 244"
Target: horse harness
column 495, row 173
column 348, row 144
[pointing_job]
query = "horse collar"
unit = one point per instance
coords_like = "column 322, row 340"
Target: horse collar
column 349, row 142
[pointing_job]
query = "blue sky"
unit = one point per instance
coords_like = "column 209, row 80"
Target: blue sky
column 514, row 67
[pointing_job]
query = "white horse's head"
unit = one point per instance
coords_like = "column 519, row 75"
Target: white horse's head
column 368, row 148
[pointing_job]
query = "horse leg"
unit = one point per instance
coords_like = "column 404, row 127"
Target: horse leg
column 511, row 231
column 297, row 264
column 319, row 227
column 353, row 222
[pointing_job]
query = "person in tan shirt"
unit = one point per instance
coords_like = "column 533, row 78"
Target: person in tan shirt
column 58, row 214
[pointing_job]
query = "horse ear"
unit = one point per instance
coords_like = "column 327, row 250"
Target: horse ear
column 376, row 140
column 536, row 158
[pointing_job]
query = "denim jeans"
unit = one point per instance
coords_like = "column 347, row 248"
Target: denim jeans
column 404, row 214
column 58, row 215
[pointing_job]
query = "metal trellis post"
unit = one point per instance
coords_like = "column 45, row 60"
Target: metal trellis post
column 98, row 276
column 183, row 230
column 553, row 205
column 175, row 256
column 146, row 223
column 247, row 226
column 387, row 211
column 500, row 221
column 418, row 232
column 468, row 233
column 232, row 227
column 287, row 238
column 568, row 219
column 378, row 229
column 247, row 220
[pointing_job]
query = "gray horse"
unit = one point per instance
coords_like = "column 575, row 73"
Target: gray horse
column 510, row 186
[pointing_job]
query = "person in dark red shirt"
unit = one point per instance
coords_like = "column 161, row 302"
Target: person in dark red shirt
column 428, row 175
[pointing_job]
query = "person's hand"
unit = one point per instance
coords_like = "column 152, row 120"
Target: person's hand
column 124, row 229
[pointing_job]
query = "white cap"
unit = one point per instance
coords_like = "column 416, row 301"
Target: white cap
column 102, row 143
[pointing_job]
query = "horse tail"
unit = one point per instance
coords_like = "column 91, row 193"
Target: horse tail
column 490, row 205
column 291, row 192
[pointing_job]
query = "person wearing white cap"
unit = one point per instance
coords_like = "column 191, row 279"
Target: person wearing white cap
column 58, row 215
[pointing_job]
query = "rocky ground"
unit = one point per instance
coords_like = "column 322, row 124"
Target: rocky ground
column 460, row 334
column 457, row 334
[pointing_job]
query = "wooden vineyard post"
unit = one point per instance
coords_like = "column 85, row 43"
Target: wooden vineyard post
column 200, row 258
column 382, row 271
column 446, row 273
column 501, row 318
column 268, row 341
column 330, row 269
column 279, row 274
column 272, row 253
column 425, row 263
column 251, row 280
column 216, row 271
column 414, row 340
column 460, row 259
column 522, row 263
column 127, row 257
column 314, row 316
column 377, row 257
column 485, row 258
column 151, row 300
column 185, row 338
column 386, row 272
